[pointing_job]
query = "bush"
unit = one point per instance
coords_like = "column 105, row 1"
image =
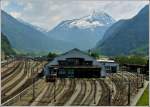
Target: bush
column 52, row 55
column 131, row 60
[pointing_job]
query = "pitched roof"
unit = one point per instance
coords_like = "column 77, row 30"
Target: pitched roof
column 74, row 53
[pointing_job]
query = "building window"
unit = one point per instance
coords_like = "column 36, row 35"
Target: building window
column 89, row 63
column 62, row 71
column 62, row 63
column 107, row 67
column 75, row 61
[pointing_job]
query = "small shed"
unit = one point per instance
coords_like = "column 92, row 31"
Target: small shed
column 110, row 65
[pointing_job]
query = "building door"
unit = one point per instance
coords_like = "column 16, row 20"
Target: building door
column 113, row 69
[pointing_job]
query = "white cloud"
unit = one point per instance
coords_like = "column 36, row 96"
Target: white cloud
column 15, row 14
column 4, row 3
column 48, row 13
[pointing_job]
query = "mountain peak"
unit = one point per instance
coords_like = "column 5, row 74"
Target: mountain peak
column 95, row 19
column 100, row 16
column 98, row 13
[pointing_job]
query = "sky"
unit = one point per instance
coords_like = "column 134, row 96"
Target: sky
column 49, row 13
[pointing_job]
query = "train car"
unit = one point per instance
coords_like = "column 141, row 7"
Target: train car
column 51, row 78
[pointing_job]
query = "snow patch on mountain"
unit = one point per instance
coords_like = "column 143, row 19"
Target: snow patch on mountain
column 84, row 24
column 94, row 20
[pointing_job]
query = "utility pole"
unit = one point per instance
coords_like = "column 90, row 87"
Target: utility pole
column 26, row 62
column 142, row 80
column 49, row 91
column 37, row 69
column 94, row 91
column 138, row 70
column 33, row 86
column 7, row 61
column 109, row 98
column 129, row 84
column 54, row 91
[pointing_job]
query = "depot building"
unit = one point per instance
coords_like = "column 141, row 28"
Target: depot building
column 75, row 63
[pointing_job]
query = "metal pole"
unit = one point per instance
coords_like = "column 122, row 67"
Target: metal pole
column 33, row 88
column 94, row 91
column 129, row 92
column 49, row 91
column 112, row 85
column 30, row 69
column 109, row 97
column 7, row 62
column 142, row 80
column 54, row 91
column 37, row 70
column 137, row 81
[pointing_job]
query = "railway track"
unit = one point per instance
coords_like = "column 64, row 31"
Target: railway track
column 13, row 77
column 121, row 89
column 6, row 63
column 27, row 84
column 90, row 96
column 77, row 90
column 17, row 84
column 25, row 97
column 66, row 94
column 104, row 100
column 7, row 68
column 9, row 72
column 49, row 95
column 60, row 92
column 11, row 82
column 12, row 74
column 81, row 94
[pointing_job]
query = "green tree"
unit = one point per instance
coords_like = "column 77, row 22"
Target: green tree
column 137, row 60
column 121, row 59
column 131, row 60
column 52, row 55
column 94, row 54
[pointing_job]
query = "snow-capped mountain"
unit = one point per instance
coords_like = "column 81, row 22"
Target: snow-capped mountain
column 94, row 20
column 84, row 31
